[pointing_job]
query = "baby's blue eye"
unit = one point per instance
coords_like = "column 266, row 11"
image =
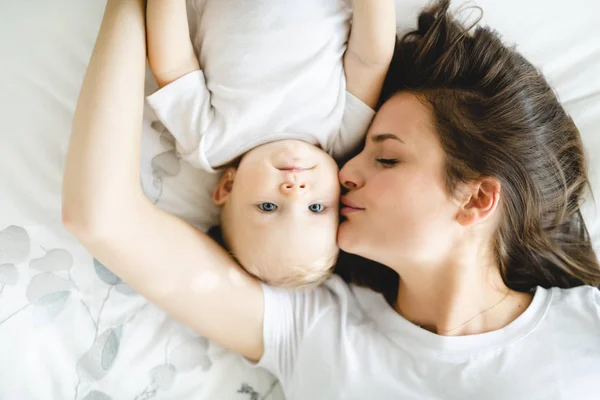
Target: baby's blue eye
column 316, row 208
column 267, row 207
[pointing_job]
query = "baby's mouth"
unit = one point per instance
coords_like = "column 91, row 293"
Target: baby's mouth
column 294, row 168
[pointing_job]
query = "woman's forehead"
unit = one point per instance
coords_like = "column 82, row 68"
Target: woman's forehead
column 403, row 115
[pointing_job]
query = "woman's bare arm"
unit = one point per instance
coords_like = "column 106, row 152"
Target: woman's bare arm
column 166, row 260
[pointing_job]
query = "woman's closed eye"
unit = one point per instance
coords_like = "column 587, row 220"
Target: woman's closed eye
column 388, row 162
column 267, row 207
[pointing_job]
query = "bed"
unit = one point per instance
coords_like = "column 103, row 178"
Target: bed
column 69, row 328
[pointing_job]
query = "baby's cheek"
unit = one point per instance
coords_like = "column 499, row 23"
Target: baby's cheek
column 334, row 187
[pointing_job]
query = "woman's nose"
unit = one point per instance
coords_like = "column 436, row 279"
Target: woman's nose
column 348, row 176
column 349, row 185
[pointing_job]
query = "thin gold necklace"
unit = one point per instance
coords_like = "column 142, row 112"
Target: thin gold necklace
column 475, row 316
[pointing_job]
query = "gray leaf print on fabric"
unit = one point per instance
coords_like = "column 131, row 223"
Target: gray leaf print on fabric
column 48, row 293
column 254, row 395
column 111, row 348
column 98, row 360
column 158, row 126
column 8, row 275
column 164, row 376
column 147, row 394
column 166, row 138
column 96, row 395
column 247, row 389
column 105, row 274
column 166, row 164
column 54, row 260
column 46, row 283
column 191, row 354
column 15, row 245
column 47, row 307
column 108, row 277
column 125, row 289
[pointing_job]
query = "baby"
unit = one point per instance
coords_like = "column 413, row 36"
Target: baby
column 272, row 91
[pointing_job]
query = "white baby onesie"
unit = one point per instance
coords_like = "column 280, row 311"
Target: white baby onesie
column 270, row 70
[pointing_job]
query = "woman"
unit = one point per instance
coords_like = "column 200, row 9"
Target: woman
column 468, row 188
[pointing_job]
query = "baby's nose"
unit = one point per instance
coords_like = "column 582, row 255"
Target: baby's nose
column 291, row 186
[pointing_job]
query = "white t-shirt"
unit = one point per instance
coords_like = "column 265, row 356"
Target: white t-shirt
column 271, row 70
column 340, row 341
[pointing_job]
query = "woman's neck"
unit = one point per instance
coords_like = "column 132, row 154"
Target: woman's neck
column 465, row 296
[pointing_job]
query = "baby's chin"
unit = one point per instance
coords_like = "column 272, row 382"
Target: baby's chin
column 284, row 154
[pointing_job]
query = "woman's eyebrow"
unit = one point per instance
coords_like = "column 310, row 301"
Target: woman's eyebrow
column 385, row 136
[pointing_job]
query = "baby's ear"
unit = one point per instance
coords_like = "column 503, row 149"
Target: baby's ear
column 223, row 189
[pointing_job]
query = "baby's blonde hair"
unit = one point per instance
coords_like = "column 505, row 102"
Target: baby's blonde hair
column 304, row 276
column 298, row 276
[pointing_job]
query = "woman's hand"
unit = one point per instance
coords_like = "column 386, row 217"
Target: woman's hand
column 165, row 259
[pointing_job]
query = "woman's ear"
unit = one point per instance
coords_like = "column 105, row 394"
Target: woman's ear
column 224, row 187
column 481, row 201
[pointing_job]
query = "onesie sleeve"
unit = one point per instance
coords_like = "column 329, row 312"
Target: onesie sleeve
column 184, row 107
column 356, row 120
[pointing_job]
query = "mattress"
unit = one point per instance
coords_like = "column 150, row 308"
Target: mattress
column 69, row 328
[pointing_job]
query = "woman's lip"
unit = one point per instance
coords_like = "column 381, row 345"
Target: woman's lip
column 348, row 204
column 349, row 210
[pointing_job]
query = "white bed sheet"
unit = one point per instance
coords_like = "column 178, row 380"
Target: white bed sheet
column 69, row 329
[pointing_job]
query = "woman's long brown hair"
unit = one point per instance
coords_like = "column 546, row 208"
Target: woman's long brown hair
column 496, row 115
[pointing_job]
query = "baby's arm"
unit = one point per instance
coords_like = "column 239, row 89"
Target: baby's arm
column 370, row 48
column 163, row 258
column 184, row 105
column 170, row 51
